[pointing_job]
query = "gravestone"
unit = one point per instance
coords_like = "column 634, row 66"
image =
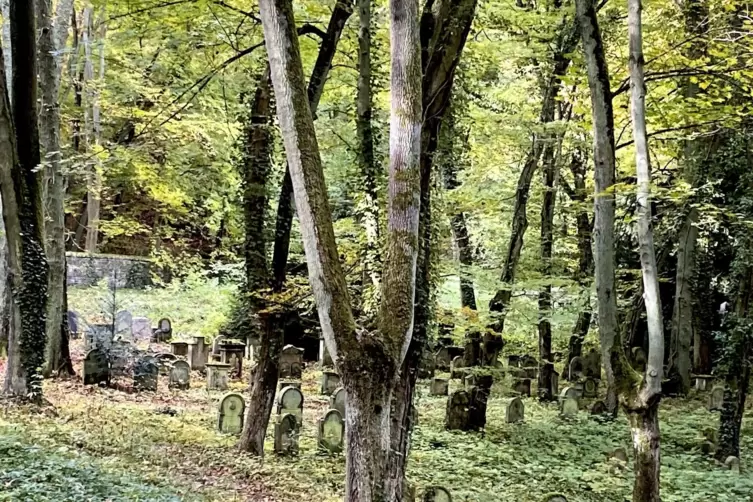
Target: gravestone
column 337, row 401
column 619, row 453
column 491, row 346
column 472, row 353
column 458, row 411
column 439, row 387
column 164, row 331
column 569, row 392
column 530, row 366
column 442, row 359
column 179, row 348
column 325, row 360
column 332, row 432
column 290, row 401
column 232, row 353
column 592, row 364
column 522, row 386
column 165, row 361
column 98, row 336
column 639, row 359
column 180, row 376
column 437, row 494
column 291, row 362
column 515, row 412
column 733, row 464
column 716, row 398
column 141, row 327
column 330, row 382
column 230, row 417
column 479, row 396
column 281, row 384
column 124, row 325
column 96, row 368
column 145, row 373
column 590, row 388
column 598, row 408
column 286, row 435
column 216, row 344
column 122, row 354
column 217, row 375
column 568, row 407
column 554, row 390
column 456, row 367
column 575, row 370
column 703, row 382
column 198, row 353
column 73, row 325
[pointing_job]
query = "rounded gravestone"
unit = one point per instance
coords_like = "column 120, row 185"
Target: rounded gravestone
column 515, row 411
column 716, row 398
column 590, row 388
column 568, row 407
column 180, row 375
column 569, row 392
column 437, row 494
column 575, row 370
column 598, row 408
column 332, row 431
column 337, row 401
column 286, row 435
column 290, row 401
column 230, row 419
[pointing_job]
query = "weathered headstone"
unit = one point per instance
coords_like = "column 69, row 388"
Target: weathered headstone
column 337, row 401
column 98, row 336
column 555, row 384
column 290, row 401
column 73, row 325
column 619, row 453
column 216, row 344
column 427, row 365
column 286, row 435
column 442, row 359
column 458, row 411
column 179, row 348
column 96, row 368
column 491, row 346
column 145, row 373
column 437, row 494
column 590, row 388
column 232, row 353
column 598, row 408
column 165, row 361
column 180, row 376
column 291, row 362
column 217, row 375
column 141, row 328
column 325, row 360
column 122, row 354
column 569, row 392
column 456, row 367
column 703, row 382
column 439, row 387
column 198, row 353
column 575, row 370
column 472, row 353
column 530, row 366
column 479, row 397
column 164, row 331
column 522, row 386
column 124, row 325
column 568, row 407
column 230, row 417
column 332, row 432
column 716, row 398
column 330, row 382
column 515, row 412
column 733, row 464
column 639, row 359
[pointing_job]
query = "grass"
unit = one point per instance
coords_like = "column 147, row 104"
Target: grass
column 104, row 444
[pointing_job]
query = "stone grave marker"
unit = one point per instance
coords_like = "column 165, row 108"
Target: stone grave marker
column 456, row 367
column 290, row 401
column 442, row 359
column 332, row 432
column 281, row 384
column 703, row 382
column 590, row 388
column 337, row 401
column 530, row 366
column 164, row 331
column 124, row 325
column 522, row 386
column 197, row 353
column 180, row 376
column 291, row 362
column 515, row 411
column 179, row 348
column 330, row 382
column 569, row 407
column 217, row 375
column 98, row 336
column 286, row 435
column 96, row 368
column 230, row 417
column 437, row 494
column 141, row 327
column 458, row 411
column 472, row 353
column 733, row 464
column 639, row 359
column 145, row 373
column 325, row 360
column 479, row 397
column 555, row 384
column 439, row 387
column 426, row 367
column 216, row 344
column 165, row 361
column 716, row 398
column 122, row 354
column 73, row 325
column 575, row 370
column 598, row 408
column 491, row 346
column 570, row 392
column 232, row 353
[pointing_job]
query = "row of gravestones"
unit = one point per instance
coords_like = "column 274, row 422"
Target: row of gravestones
column 99, row 367
column 125, row 327
column 289, row 419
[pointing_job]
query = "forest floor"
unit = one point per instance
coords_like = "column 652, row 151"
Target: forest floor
column 97, row 444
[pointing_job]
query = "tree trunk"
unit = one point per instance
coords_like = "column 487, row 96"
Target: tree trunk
column 31, row 296
column 93, row 205
column 49, row 76
column 366, row 161
column 7, row 47
column 284, row 223
column 566, row 42
column 546, row 363
column 585, row 256
column 643, row 409
column 604, row 202
column 682, row 314
column 465, row 257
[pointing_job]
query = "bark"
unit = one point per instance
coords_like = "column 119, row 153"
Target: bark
column 682, row 314
column 284, row 223
column 95, row 176
column 6, row 298
column 31, row 295
column 546, row 362
column 565, row 44
column 604, row 202
column 585, row 255
column 444, row 30
column 643, row 408
column 7, row 48
column 51, row 35
column 366, row 161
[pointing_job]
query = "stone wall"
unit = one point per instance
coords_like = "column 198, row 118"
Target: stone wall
column 87, row 269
